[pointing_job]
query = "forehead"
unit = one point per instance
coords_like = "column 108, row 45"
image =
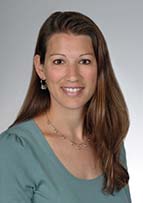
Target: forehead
column 69, row 42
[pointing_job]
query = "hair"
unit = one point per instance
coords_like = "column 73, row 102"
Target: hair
column 105, row 114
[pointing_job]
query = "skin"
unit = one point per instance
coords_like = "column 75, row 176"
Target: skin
column 69, row 62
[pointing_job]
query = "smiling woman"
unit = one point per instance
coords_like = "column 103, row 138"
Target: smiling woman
column 72, row 124
column 70, row 71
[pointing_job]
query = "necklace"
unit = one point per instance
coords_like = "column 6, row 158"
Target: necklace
column 78, row 146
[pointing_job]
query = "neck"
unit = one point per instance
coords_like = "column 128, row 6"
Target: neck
column 69, row 122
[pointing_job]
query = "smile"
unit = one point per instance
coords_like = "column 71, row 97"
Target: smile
column 72, row 91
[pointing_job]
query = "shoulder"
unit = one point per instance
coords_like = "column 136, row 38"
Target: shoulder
column 20, row 130
column 17, row 179
column 18, row 150
column 14, row 139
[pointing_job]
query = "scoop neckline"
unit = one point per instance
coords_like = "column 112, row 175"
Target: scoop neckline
column 58, row 162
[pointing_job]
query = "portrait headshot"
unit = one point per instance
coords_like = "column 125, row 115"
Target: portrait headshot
column 69, row 130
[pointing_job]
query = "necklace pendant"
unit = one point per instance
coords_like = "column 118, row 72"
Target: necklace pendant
column 79, row 147
column 63, row 137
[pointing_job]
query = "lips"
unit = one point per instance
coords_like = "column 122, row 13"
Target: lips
column 72, row 91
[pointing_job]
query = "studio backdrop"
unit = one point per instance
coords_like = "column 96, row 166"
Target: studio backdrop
column 121, row 24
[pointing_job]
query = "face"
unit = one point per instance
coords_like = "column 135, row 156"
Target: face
column 70, row 70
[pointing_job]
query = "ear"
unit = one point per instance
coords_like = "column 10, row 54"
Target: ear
column 39, row 68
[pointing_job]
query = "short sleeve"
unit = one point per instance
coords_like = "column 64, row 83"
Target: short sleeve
column 15, row 183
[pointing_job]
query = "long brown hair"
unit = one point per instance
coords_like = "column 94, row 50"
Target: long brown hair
column 105, row 115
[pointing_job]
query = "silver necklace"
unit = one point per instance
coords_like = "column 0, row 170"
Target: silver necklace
column 78, row 146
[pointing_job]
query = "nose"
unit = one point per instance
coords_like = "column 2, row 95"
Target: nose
column 73, row 73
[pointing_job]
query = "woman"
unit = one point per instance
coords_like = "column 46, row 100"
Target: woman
column 66, row 144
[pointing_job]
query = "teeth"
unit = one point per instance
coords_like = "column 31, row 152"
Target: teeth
column 71, row 89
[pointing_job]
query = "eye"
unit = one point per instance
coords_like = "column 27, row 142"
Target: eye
column 58, row 61
column 85, row 61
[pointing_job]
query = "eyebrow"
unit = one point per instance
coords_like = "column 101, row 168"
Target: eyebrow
column 92, row 54
column 57, row 54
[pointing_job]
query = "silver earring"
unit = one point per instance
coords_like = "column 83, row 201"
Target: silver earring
column 43, row 85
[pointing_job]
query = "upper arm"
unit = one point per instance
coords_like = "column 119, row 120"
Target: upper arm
column 15, row 186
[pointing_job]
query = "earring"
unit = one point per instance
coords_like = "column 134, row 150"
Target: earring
column 43, row 84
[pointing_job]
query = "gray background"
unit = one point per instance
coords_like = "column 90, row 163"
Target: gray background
column 121, row 24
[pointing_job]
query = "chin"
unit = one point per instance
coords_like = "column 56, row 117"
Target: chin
column 73, row 106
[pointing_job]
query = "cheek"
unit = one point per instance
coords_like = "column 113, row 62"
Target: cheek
column 91, row 76
column 54, row 76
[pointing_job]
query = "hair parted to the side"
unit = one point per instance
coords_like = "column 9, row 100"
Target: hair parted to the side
column 105, row 115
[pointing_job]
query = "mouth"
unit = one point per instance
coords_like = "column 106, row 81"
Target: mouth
column 72, row 91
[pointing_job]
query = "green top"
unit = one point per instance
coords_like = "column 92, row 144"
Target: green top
column 30, row 172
